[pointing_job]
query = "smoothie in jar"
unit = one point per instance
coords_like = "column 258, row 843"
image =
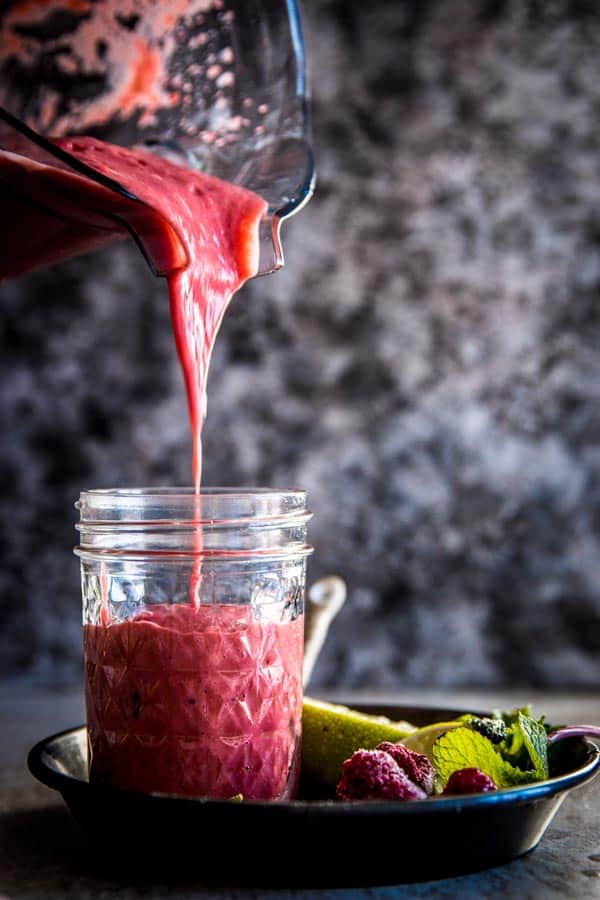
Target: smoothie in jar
column 198, row 698
column 201, row 701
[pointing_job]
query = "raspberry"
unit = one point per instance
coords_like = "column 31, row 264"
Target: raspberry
column 375, row 775
column 416, row 765
column 469, row 781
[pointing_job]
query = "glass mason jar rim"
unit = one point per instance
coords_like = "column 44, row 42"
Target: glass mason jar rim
column 207, row 506
column 152, row 521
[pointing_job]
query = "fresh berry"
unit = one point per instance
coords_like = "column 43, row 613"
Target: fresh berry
column 375, row 775
column 416, row 765
column 469, row 781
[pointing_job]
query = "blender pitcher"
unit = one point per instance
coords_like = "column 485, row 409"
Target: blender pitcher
column 215, row 85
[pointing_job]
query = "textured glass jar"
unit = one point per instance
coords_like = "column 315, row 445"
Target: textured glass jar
column 193, row 638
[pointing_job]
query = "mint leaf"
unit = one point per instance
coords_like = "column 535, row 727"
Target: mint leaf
column 536, row 742
column 513, row 748
column 526, row 743
column 462, row 748
column 525, row 746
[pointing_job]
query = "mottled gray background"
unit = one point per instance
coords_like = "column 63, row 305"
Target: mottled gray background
column 427, row 365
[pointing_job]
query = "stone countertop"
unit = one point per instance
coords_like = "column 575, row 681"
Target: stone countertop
column 40, row 845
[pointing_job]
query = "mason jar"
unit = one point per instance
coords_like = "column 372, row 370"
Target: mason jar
column 193, row 633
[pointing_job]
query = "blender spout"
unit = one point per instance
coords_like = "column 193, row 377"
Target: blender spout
column 233, row 105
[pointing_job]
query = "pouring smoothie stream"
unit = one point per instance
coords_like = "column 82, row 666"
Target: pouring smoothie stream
column 182, row 698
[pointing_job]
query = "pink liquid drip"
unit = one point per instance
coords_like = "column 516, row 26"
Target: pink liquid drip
column 201, row 231
column 217, row 226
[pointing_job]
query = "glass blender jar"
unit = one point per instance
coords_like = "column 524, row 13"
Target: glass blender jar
column 216, row 85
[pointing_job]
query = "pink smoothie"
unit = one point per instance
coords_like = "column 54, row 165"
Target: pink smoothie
column 203, row 702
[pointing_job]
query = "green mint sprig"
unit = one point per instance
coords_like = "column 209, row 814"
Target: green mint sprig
column 535, row 741
column 520, row 758
column 463, row 748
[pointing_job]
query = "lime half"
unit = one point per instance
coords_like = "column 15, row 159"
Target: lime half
column 331, row 733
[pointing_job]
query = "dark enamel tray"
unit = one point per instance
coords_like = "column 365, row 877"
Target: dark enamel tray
column 309, row 843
